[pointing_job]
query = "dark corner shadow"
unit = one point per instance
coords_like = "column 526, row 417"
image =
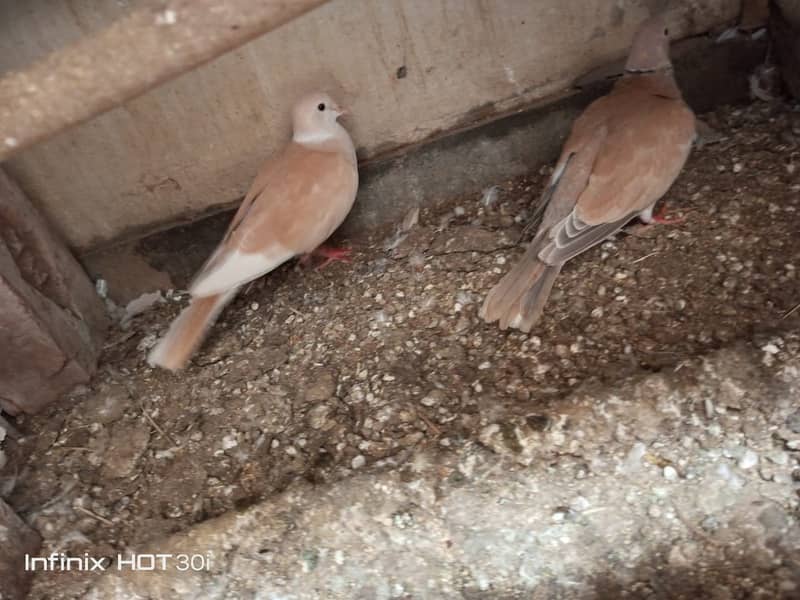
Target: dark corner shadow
column 715, row 572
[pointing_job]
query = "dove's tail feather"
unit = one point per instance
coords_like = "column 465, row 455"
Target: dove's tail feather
column 518, row 300
column 188, row 331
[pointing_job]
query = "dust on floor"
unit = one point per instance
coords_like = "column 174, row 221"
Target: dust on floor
column 317, row 374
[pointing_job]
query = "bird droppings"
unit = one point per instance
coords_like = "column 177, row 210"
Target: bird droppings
column 653, row 408
column 166, row 17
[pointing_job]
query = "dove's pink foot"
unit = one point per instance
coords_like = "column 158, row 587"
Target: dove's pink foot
column 330, row 254
column 650, row 220
column 660, row 218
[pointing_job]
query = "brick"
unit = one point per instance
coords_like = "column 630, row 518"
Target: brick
column 52, row 324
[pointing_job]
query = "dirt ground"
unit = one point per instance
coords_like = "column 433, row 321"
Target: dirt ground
column 318, row 374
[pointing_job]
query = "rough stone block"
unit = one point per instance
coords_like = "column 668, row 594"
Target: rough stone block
column 784, row 27
column 52, row 322
column 16, row 540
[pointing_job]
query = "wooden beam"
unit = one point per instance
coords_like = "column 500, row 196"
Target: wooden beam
column 154, row 43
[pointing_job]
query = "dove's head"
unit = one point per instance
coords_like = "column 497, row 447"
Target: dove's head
column 314, row 118
column 650, row 49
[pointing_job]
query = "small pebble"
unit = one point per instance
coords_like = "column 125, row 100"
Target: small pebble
column 748, row 460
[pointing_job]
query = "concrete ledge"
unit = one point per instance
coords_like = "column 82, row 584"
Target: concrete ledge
column 675, row 481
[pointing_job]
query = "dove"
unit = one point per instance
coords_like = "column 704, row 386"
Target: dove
column 622, row 155
column 298, row 198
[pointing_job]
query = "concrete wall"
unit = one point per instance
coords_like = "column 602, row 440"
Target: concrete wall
column 407, row 69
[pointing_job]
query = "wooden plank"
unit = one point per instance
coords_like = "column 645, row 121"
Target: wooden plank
column 152, row 44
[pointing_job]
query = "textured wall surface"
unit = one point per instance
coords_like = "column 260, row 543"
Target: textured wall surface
column 52, row 324
column 407, row 69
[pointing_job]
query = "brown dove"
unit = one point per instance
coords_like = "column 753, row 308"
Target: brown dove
column 622, row 155
column 297, row 200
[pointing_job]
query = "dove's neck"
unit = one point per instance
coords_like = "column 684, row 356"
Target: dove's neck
column 331, row 137
column 328, row 139
column 660, row 82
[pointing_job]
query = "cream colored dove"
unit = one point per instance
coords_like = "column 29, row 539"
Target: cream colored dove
column 623, row 154
column 300, row 196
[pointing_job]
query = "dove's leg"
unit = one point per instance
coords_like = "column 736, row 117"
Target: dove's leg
column 332, row 254
column 660, row 217
column 329, row 253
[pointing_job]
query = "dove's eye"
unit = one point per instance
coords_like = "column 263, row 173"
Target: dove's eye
column 666, row 31
column 321, row 106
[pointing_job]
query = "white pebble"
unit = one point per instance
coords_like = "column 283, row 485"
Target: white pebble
column 101, row 286
column 429, row 400
column 579, row 504
column 490, row 195
column 670, row 474
column 634, row 458
column 779, row 458
column 748, row 460
column 358, row 461
column 147, row 342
